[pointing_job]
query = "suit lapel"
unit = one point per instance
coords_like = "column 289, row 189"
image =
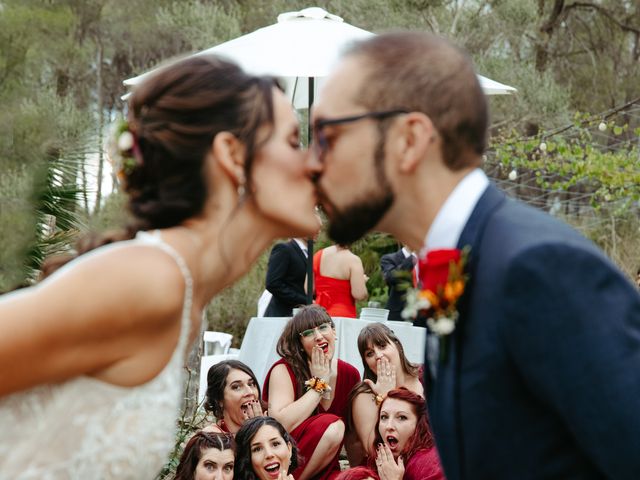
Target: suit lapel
column 298, row 250
column 445, row 404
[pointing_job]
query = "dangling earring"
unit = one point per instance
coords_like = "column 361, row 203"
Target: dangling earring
column 241, row 190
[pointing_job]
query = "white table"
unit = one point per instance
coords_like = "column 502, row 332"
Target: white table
column 258, row 348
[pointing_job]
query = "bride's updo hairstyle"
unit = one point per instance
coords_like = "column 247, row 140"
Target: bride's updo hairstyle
column 174, row 115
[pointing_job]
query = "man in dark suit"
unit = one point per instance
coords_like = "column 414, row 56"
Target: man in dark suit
column 397, row 270
column 286, row 273
column 539, row 377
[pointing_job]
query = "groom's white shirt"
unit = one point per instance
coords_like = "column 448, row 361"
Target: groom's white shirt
column 447, row 227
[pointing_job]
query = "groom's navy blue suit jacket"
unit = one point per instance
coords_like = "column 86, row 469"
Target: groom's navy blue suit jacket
column 542, row 375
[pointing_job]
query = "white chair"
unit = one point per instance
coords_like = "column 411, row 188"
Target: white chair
column 206, row 362
column 216, row 343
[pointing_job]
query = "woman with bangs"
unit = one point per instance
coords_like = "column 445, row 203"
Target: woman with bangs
column 403, row 447
column 386, row 367
column 307, row 391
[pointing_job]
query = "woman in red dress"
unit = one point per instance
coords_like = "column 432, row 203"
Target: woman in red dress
column 307, row 391
column 233, row 396
column 386, row 367
column 405, row 448
column 339, row 279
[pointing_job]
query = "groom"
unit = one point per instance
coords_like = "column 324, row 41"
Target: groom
column 541, row 376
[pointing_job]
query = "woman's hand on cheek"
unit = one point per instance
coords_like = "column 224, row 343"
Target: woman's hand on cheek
column 385, row 378
column 388, row 469
column 320, row 364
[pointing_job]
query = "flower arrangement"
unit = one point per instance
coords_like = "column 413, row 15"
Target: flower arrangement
column 442, row 283
column 123, row 150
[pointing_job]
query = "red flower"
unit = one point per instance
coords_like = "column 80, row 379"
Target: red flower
column 434, row 269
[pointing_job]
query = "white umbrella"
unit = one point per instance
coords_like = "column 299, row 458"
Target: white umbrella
column 305, row 45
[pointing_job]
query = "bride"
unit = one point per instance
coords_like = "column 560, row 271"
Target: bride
column 91, row 357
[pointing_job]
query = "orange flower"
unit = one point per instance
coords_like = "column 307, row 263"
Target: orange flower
column 431, row 297
column 453, row 290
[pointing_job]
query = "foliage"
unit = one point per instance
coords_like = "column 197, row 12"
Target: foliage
column 16, row 226
column 585, row 158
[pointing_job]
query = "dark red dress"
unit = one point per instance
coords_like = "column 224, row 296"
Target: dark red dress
column 308, row 433
column 332, row 293
column 424, row 465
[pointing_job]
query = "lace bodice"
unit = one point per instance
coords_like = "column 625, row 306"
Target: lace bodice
column 87, row 429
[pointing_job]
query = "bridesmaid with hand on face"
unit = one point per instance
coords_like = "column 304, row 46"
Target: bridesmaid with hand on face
column 233, row 396
column 386, row 367
column 307, row 391
column 403, row 447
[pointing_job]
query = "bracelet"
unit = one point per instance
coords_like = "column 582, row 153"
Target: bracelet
column 320, row 386
column 378, row 399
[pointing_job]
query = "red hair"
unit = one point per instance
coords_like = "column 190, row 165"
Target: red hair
column 358, row 473
column 422, row 437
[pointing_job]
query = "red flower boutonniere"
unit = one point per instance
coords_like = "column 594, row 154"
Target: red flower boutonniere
column 442, row 283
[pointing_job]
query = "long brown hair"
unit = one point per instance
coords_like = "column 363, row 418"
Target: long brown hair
column 217, row 381
column 380, row 335
column 290, row 342
column 422, row 437
column 174, row 115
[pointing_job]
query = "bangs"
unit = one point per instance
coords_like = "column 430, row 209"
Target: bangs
column 310, row 317
column 373, row 335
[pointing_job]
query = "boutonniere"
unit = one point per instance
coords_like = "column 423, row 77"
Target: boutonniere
column 442, row 281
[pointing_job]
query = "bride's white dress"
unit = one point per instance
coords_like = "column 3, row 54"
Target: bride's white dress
column 87, row 429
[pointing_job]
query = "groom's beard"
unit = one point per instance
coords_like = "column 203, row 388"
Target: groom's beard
column 354, row 221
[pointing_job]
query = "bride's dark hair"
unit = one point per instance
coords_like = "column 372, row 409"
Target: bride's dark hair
column 174, row 115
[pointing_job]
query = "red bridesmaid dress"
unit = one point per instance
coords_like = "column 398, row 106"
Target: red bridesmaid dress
column 332, row 293
column 308, row 433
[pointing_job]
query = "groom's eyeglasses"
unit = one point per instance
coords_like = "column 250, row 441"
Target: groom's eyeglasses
column 320, row 142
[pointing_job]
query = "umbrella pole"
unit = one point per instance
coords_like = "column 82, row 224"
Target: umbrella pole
column 310, row 286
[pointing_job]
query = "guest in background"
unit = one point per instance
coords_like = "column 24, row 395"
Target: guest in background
column 340, row 280
column 233, row 396
column 404, row 446
column 207, row 456
column 307, row 391
column 397, row 270
column 386, row 367
column 266, row 451
column 286, row 274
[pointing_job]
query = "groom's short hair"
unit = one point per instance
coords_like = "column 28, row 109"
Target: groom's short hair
column 424, row 73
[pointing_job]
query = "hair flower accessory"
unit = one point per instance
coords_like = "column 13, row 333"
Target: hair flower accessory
column 123, row 150
column 441, row 284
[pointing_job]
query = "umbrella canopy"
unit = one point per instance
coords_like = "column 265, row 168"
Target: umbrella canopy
column 302, row 44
